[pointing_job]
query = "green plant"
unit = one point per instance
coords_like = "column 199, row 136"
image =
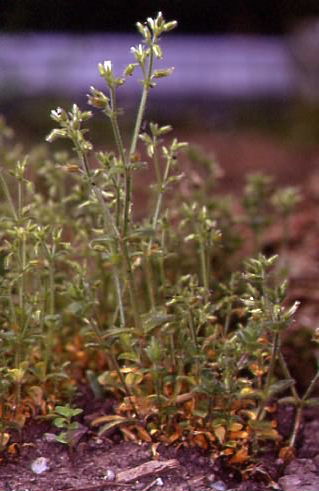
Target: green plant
column 153, row 311
column 63, row 416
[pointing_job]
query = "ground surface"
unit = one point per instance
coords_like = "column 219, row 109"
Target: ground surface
column 97, row 461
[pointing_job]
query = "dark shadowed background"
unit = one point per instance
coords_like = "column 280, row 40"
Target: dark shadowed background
column 195, row 16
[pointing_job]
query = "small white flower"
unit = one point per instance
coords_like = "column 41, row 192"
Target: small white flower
column 107, row 66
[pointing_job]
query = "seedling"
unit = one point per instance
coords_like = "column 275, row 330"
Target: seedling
column 63, row 416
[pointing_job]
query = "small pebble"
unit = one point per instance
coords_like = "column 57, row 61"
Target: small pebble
column 40, row 465
column 110, row 475
column 218, row 486
column 159, row 482
column 211, row 477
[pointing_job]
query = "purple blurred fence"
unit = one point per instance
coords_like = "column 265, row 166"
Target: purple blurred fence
column 238, row 66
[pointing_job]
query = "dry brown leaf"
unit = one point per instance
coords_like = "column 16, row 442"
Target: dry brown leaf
column 128, row 434
column 287, row 454
column 256, row 369
column 220, row 432
column 200, row 441
column 143, row 434
column 240, row 457
column 175, row 436
column 13, row 448
column 210, row 436
column 236, row 435
column 235, row 427
column 228, row 451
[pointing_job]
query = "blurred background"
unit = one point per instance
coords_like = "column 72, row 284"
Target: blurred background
column 238, row 63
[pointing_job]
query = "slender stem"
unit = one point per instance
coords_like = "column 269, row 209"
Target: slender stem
column 156, row 163
column 8, row 197
column 121, row 151
column 287, row 374
column 228, row 318
column 119, row 297
column 297, row 423
column 149, row 279
column 51, row 307
column 311, row 386
column 143, row 101
column 159, row 201
column 299, row 411
column 136, row 132
column 274, row 351
column 132, row 285
column 22, row 264
column 203, row 261
column 162, row 260
column 194, row 339
column 109, row 227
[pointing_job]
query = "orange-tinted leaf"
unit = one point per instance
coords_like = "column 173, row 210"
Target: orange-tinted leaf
column 200, row 441
column 287, row 454
column 210, row 436
column 268, row 434
column 236, row 435
column 175, row 436
column 256, row 369
column 108, row 417
column 235, row 427
column 228, row 451
column 128, row 433
column 20, row 420
column 4, row 439
column 13, row 448
column 143, row 434
column 240, row 457
column 220, row 432
column 263, row 340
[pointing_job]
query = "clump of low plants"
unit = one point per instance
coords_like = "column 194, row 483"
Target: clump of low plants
column 189, row 349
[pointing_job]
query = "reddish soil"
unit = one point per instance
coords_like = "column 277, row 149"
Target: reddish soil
column 96, row 460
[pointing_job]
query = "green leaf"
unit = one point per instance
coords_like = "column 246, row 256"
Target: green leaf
column 60, row 422
column 62, row 438
column 313, row 402
column 129, row 356
column 288, row 400
column 280, row 386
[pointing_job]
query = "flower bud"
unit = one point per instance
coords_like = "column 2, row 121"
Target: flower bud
column 59, row 115
column 55, row 134
column 105, row 68
column 129, row 70
column 165, row 72
column 157, row 51
column 168, row 26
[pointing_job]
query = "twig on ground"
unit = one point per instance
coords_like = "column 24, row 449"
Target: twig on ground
column 101, row 487
column 150, row 485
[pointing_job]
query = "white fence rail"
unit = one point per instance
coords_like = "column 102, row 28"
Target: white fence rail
column 235, row 66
